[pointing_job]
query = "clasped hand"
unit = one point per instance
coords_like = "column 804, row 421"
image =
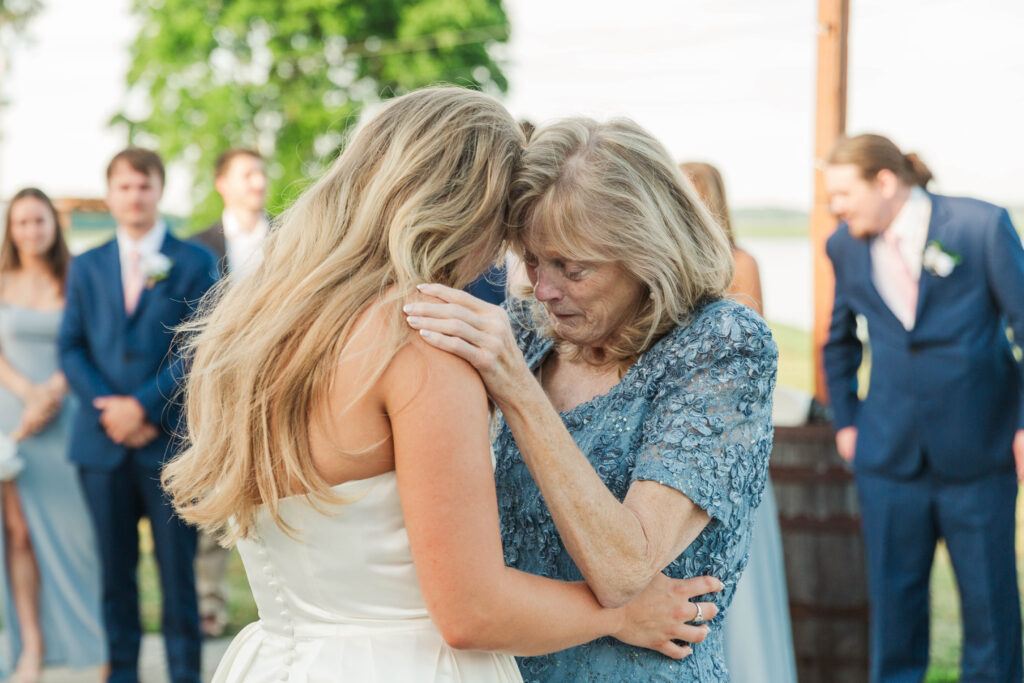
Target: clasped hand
column 665, row 612
column 42, row 403
column 124, row 420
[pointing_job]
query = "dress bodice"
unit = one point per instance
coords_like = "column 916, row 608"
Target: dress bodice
column 693, row 413
column 347, row 562
column 339, row 599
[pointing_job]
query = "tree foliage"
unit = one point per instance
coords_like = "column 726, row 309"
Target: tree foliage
column 14, row 14
column 289, row 78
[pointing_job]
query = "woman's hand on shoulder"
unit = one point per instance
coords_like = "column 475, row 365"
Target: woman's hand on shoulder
column 475, row 331
column 664, row 612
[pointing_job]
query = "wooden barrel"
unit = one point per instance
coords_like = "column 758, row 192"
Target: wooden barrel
column 819, row 517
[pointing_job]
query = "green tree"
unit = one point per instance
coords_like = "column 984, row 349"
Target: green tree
column 290, row 78
column 14, row 14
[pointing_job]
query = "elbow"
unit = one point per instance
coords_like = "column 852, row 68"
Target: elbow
column 462, row 637
column 616, row 589
column 465, row 628
column 612, row 598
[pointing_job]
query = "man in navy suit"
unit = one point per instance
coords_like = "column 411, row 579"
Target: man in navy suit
column 124, row 300
column 937, row 445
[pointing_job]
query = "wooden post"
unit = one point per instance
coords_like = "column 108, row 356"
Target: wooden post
column 833, row 25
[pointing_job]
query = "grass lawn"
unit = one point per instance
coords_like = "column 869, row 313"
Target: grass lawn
column 795, row 369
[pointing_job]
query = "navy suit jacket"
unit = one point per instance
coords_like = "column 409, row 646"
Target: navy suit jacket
column 949, row 390
column 105, row 351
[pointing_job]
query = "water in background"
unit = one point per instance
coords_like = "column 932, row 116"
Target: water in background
column 787, row 278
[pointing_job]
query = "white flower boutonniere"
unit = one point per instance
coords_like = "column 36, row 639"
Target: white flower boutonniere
column 155, row 267
column 940, row 261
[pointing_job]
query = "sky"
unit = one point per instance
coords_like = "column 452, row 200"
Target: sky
column 726, row 81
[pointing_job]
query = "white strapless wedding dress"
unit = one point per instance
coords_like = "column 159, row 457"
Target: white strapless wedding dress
column 343, row 603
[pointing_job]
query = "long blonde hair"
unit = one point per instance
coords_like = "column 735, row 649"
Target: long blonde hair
column 419, row 195
column 610, row 192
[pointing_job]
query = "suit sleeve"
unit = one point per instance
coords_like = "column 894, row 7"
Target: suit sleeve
column 843, row 352
column 73, row 346
column 1005, row 268
column 160, row 396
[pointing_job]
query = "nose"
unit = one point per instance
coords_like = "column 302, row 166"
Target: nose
column 545, row 288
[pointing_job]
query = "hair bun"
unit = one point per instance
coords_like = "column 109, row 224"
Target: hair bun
column 921, row 172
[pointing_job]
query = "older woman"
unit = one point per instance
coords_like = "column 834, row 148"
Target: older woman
column 635, row 401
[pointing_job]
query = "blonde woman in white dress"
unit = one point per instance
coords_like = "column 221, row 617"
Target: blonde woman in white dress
column 349, row 460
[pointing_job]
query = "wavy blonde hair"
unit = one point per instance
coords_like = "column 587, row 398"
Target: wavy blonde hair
column 419, row 195
column 609, row 192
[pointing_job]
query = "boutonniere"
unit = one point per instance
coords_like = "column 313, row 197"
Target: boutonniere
column 938, row 260
column 155, row 267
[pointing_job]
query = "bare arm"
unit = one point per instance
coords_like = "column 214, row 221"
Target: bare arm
column 437, row 407
column 14, row 381
column 618, row 547
column 746, row 282
column 42, row 401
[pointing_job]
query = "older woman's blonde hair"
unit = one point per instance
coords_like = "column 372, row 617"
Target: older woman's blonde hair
column 419, row 195
column 609, row 192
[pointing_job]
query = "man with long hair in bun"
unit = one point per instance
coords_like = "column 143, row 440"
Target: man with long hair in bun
column 937, row 444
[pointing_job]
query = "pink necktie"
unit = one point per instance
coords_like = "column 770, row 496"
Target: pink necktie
column 134, row 284
column 904, row 281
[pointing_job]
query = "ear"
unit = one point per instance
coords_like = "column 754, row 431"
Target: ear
column 887, row 183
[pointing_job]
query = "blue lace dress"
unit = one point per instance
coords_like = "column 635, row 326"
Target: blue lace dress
column 693, row 413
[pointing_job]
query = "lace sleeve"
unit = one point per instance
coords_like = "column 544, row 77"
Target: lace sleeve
column 709, row 432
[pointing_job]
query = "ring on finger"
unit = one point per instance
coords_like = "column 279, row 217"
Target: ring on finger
column 699, row 619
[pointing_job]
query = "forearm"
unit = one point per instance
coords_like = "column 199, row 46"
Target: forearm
column 82, row 376
column 57, row 383
column 530, row 615
column 14, row 381
column 605, row 538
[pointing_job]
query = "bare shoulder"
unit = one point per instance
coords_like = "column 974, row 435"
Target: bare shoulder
column 745, row 262
column 419, row 372
column 413, row 372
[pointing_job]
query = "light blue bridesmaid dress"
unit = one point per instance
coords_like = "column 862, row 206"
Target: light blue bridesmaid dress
column 54, row 508
column 758, row 635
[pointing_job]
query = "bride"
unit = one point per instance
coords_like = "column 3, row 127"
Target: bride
column 348, row 459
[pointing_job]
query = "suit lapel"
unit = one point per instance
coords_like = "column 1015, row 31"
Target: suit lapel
column 111, row 256
column 866, row 266
column 168, row 249
column 937, row 225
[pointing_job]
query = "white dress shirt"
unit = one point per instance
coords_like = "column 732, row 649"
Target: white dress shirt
column 148, row 245
column 911, row 228
column 244, row 248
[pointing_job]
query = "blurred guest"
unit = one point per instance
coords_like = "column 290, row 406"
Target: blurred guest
column 124, row 300
column 758, row 636
column 934, row 443
column 237, row 240
column 746, row 280
column 52, row 593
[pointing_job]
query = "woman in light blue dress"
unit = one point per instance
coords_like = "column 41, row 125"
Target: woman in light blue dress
column 51, row 608
column 635, row 399
column 758, row 635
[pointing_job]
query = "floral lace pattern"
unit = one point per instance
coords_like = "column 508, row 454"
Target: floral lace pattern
column 693, row 413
